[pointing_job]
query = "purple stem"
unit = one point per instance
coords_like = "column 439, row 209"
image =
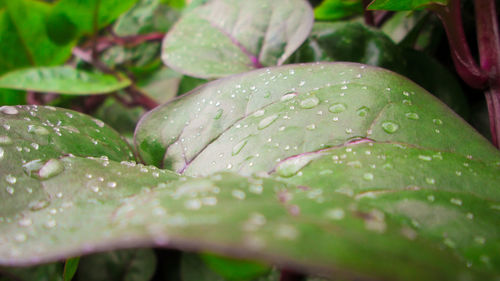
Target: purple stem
column 465, row 64
column 288, row 275
column 488, row 39
column 368, row 15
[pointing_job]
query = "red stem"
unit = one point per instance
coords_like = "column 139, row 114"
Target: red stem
column 488, row 38
column 465, row 64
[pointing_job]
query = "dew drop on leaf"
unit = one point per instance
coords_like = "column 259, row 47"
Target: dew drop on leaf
column 218, row 114
column 5, row 140
column 264, row 123
column 9, row 110
column 337, row 108
column 38, row 130
column 390, row 127
column 309, row 102
column 238, row 147
column 288, row 96
column 412, row 115
column 362, row 111
column 51, row 168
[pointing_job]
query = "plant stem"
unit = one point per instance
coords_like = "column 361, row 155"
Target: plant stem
column 488, row 39
column 368, row 15
column 288, row 275
column 465, row 64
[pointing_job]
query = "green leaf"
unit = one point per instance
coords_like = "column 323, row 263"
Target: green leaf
column 48, row 272
column 60, row 29
column 70, row 267
column 162, row 85
column 62, row 80
column 145, row 17
column 221, row 38
column 83, row 13
column 11, row 97
column 24, row 37
column 402, row 5
column 338, row 9
column 123, row 265
column 250, row 122
column 335, row 42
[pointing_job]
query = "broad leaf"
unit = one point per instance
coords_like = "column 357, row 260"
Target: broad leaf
column 338, row 9
column 320, row 228
column 123, row 265
column 62, row 80
column 24, row 37
column 249, row 122
column 162, row 85
column 334, row 42
column 402, row 5
column 224, row 37
column 145, row 17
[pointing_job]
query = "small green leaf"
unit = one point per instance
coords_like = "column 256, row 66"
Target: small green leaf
column 402, row 5
column 210, row 41
column 338, row 9
column 70, row 267
column 62, row 80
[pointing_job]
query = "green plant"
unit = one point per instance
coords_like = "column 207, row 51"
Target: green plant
column 291, row 164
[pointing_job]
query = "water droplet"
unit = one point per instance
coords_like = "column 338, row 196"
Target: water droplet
column 10, row 179
column 264, row 123
column 218, row 114
column 337, row 108
column 238, row 147
column 51, row 168
column 38, row 130
column 362, row 111
column 288, row 96
column 20, row 237
column 259, row 113
column 437, row 121
column 311, row 127
column 5, row 140
column 2, row 153
column 425, row 157
column 25, row 222
column 309, row 102
column 9, row 110
column 368, row 176
column 10, row 190
column 456, row 201
column 335, row 214
column 292, row 166
column 390, row 127
column 238, row 194
column 111, row 184
column 430, row 180
column 38, row 205
column 412, row 115
column 193, row 204
column 51, row 223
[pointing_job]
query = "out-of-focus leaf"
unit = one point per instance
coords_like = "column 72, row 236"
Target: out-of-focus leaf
column 347, row 41
column 49, row 272
column 138, row 56
column 119, row 117
column 70, row 267
column 60, row 29
column 82, row 13
column 224, row 37
column 162, row 85
column 123, row 265
column 62, row 80
column 338, row 9
column 402, row 5
column 234, row 269
column 189, row 83
column 145, row 17
column 12, row 97
column 401, row 24
column 24, row 41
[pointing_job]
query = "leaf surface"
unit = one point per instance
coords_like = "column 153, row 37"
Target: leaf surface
column 62, row 80
column 224, row 37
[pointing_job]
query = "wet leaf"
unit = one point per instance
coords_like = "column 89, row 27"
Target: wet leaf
column 250, row 122
column 402, row 5
column 62, row 80
column 334, row 42
column 226, row 37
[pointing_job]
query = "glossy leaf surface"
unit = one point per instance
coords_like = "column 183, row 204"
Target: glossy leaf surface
column 62, row 80
column 338, row 9
column 249, row 122
column 224, row 37
column 313, row 224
